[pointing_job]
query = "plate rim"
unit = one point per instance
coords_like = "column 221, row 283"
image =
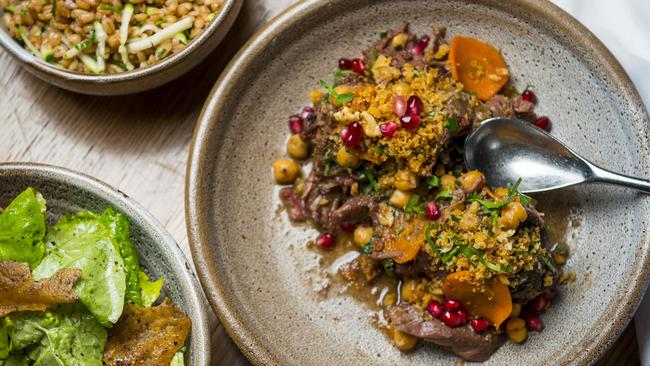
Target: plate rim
column 588, row 350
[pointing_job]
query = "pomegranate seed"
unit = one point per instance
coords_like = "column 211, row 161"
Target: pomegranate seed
column 308, row 114
column 534, row 323
column 537, row 304
column 543, row 122
column 358, row 65
column 479, row 325
column 414, row 105
column 351, row 135
column 450, row 318
column 388, row 129
column 296, row 123
column 452, row 305
column 435, row 309
column 399, row 105
column 416, row 49
column 424, row 42
column 464, row 316
column 348, row 228
column 432, row 211
column 345, row 64
column 326, row 241
column 410, row 121
column 529, row 96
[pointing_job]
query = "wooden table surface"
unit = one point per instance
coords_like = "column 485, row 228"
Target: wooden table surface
column 140, row 143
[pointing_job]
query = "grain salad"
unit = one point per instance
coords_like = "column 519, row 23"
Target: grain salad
column 469, row 266
column 106, row 36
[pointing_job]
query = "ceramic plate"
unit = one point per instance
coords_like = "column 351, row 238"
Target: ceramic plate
column 67, row 191
column 254, row 265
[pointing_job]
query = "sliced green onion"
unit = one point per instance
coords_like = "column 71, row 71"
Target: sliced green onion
column 150, row 10
column 54, row 8
column 101, row 47
column 10, row 9
column 160, row 37
column 181, row 37
column 74, row 51
column 47, row 54
column 127, row 13
column 212, row 16
column 28, row 44
column 90, row 63
column 110, row 7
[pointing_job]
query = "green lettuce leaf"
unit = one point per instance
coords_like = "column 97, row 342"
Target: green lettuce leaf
column 150, row 289
column 179, row 358
column 22, row 227
column 83, row 242
column 119, row 228
column 64, row 335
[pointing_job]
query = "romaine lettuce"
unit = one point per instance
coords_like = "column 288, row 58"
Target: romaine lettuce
column 150, row 290
column 83, row 242
column 22, row 227
column 65, row 335
column 179, row 358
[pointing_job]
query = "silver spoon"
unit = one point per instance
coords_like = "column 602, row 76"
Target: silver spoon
column 506, row 149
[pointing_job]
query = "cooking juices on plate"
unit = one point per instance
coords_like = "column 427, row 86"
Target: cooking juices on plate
column 74, row 294
column 92, row 36
column 474, row 264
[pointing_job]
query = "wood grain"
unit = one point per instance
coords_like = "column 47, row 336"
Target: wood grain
column 140, row 143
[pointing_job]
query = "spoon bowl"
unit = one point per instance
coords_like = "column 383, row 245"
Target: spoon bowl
column 508, row 149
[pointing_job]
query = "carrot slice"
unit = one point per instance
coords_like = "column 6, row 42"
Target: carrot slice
column 494, row 304
column 409, row 242
column 478, row 65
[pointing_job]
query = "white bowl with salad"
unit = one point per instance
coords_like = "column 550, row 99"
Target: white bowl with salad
column 89, row 277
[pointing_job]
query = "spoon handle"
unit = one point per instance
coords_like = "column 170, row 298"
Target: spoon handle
column 606, row 176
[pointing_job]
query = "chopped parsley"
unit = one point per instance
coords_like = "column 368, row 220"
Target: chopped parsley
column 413, row 205
column 450, row 254
column 367, row 249
column 417, row 73
column 338, row 75
column 430, row 241
column 444, row 194
column 373, row 58
column 379, row 149
column 433, row 182
column 548, row 263
column 452, row 124
column 110, row 7
column 389, row 266
column 338, row 98
column 371, row 178
column 9, row 9
column 490, row 205
column 383, row 34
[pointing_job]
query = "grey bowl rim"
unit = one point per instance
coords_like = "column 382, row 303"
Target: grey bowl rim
column 251, row 346
column 25, row 57
column 118, row 198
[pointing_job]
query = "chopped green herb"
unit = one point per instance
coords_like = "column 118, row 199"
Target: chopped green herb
column 371, row 178
column 430, row 241
column 338, row 75
column 9, row 9
column 432, row 114
column 413, row 205
column 54, row 8
column 450, row 254
column 160, row 21
column 452, row 124
column 495, row 205
column 383, row 34
column 338, row 98
column 373, row 58
column 367, row 249
column 399, row 230
column 433, row 182
column 110, row 7
column 470, row 252
column 549, row 230
column 326, row 169
column 162, row 53
column 389, row 266
column 548, row 263
column 444, row 194
column 417, row 73
column 379, row 149
column 454, row 218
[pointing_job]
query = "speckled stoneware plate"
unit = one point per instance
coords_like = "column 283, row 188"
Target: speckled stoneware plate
column 134, row 81
column 67, row 191
column 253, row 263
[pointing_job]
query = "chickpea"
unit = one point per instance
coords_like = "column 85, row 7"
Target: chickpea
column 403, row 341
column 472, row 181
column 297, row 148
column 512, row 215
column 516, row 329
column 399, row 198
column 285, row 171
column 405, row 180
column 341, row 89
column 448, row 182
column 501, row 193
column 409, row 288
column 346, row 158
column 362, row 235
column 403, row 89
column 399, row 41
column 316, row 96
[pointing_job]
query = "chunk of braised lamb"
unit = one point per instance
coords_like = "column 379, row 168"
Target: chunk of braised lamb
column 355, row 210
column 294, row 204
column 463, row 341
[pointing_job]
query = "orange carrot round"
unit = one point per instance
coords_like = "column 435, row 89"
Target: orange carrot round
column 409, row 242
column 478, row 65
column 493, row 303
